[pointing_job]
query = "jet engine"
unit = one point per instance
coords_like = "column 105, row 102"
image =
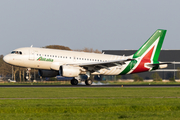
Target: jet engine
column 48, row 73
column 69, row 71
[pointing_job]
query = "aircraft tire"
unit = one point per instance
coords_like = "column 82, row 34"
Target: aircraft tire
column 74, row 82
column 88, row 82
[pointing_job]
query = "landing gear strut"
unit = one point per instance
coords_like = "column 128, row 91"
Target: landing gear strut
column 88, row 81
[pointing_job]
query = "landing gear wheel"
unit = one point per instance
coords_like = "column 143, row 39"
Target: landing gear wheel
column 88, row 82
column 74, row 82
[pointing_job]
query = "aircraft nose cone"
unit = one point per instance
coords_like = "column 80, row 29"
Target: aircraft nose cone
column 6, row 59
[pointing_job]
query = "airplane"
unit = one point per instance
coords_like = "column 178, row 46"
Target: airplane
column 52, row 62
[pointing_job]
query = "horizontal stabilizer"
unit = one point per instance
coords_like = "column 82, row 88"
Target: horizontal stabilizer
column 160, row 65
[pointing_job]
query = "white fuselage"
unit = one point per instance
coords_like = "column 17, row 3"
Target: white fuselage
column 51, row 59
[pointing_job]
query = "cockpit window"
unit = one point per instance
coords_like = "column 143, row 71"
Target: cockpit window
column 16, row 52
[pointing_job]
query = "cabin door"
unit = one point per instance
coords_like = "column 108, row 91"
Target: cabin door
column 31, row 54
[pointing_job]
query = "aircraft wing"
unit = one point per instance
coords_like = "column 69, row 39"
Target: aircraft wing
column 100, row 65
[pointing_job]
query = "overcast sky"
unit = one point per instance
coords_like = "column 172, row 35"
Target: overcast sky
column 97, row 24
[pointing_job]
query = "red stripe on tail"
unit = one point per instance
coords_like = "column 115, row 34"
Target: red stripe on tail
column 146, row 59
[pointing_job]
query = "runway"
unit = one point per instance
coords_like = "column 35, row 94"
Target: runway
column 85, row 86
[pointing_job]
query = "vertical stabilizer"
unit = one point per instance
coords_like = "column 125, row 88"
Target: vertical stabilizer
column 147, row 54
column 154, row 44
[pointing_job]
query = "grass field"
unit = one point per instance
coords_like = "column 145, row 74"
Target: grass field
column 89, row 103
column 95, row 82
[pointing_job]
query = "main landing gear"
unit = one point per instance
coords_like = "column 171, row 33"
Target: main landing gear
column 88, row 82
column 75, row 81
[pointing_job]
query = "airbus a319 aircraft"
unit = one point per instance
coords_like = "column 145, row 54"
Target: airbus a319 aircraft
column 51, row 62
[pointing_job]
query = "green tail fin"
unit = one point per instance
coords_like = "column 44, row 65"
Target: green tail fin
column 156, row 41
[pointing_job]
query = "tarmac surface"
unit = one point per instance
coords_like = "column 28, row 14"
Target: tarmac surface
column 76, row 86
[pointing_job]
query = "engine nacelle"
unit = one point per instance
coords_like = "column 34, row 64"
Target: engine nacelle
column 69, row 71
column 48, row 73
